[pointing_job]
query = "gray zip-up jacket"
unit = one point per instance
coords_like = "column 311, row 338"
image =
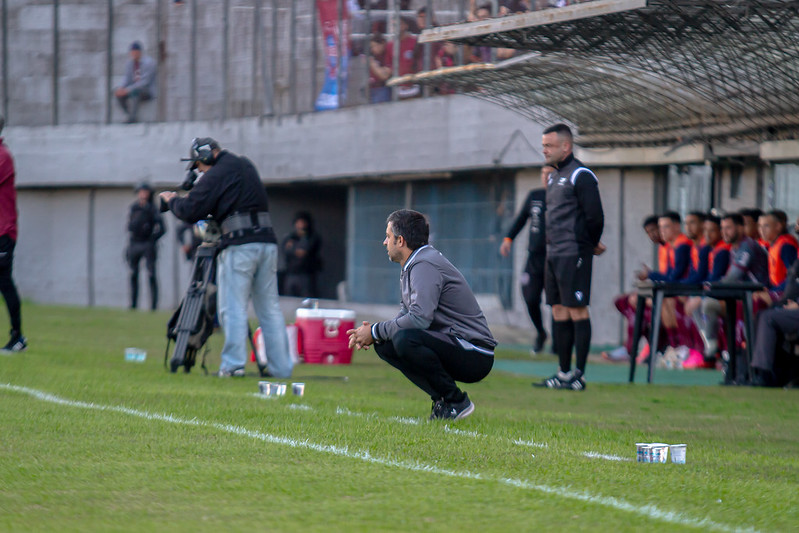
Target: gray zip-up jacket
column 435, row 296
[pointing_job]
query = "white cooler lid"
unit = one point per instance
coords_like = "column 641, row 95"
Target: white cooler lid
column 342, row 314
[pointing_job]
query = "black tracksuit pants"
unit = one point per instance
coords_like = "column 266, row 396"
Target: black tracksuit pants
column 434, row 361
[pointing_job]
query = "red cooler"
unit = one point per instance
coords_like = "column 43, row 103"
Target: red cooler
column 322, row 335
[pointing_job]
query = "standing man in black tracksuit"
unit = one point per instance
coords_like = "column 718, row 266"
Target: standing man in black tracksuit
column 574, row 226
column 145, row 227
column 534, row 209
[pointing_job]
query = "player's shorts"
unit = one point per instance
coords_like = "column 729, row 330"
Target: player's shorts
column 568, row 280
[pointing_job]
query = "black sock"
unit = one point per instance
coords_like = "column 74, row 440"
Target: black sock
column 563, row 331
column 582, row 342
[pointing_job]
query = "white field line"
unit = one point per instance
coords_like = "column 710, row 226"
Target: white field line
column 595, row 455
column 647, row 511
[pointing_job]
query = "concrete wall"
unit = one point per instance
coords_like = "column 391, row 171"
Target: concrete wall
column 418, row 137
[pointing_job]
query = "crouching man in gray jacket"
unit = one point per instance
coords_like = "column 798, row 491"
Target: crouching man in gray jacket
column 440, row 334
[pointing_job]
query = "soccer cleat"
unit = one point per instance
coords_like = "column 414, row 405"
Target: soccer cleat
column 235, row 373
column 456, row 411
column 538, row 346
column 17, row 343
column 576, row 382
column 558, row 381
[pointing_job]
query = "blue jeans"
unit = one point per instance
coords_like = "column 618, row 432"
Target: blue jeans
column 243, row 271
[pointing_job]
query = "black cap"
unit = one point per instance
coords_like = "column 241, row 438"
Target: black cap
column 136, row 45
column 143, row 186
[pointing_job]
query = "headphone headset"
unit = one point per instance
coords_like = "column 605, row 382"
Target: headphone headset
column 202, row 150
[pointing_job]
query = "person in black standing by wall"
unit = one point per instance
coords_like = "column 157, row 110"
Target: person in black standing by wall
column 145, row 227
column 302, row 248
column 575, row 221
column 534, row 209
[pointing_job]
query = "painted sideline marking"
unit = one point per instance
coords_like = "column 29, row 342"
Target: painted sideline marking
column 449, row 429
column 595, row 455
column 647, row 511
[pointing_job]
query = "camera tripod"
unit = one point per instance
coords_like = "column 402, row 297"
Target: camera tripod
column 193, row 322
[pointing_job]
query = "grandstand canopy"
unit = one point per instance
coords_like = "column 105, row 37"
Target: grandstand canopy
column 641, row 73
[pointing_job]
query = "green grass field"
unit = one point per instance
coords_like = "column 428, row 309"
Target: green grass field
column 90, row 442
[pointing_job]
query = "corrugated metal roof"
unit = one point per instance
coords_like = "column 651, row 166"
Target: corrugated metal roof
column 635, row 72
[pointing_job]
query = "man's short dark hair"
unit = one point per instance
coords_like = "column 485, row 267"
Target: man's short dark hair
column 714, row 219
column 751, row 212
column 780, row 216
column 673, row 215
column 306, row 216
column 737, row 218
column 698, row 214
column 651, row 220
column 410, row 225
column 561, row 129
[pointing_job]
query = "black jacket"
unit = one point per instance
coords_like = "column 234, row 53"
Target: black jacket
column 231, row 186
column 145, row 223
column 534, row 209
column 575, row 219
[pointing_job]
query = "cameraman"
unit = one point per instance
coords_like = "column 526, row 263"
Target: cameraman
column 230, row 191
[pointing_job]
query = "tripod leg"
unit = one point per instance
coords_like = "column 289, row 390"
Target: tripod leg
column 187, row 321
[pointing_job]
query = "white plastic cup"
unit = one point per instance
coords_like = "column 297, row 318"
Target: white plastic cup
column 135, row 355
column 642, row 452
column 271, row 390
column 660, row 452
column 678, row 453
column 298, row 389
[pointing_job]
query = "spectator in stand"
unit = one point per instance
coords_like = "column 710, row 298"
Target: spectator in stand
column 138, row 84
column 447, row 57
column 303, row 260
column 435, row 48
column 512, row 7
column 408, row 60
column 476, row 13
column 379, row 71
column 421, row 18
